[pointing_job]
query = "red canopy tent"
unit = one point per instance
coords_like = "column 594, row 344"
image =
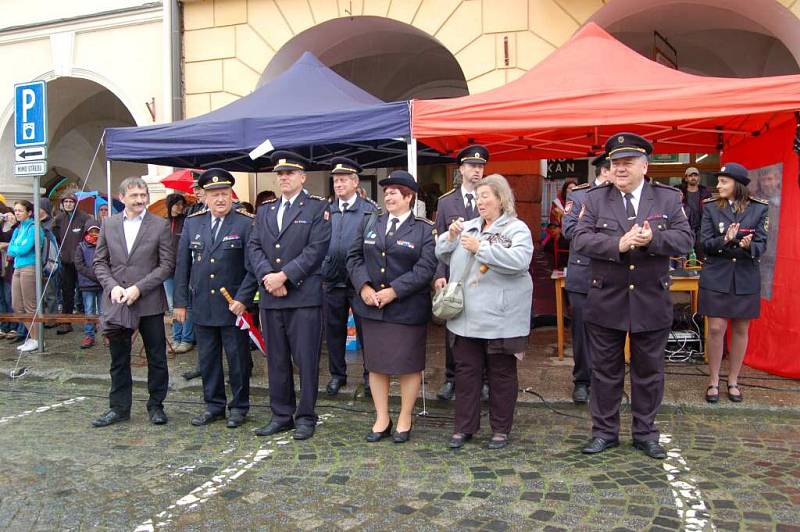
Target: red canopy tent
column 593, row 87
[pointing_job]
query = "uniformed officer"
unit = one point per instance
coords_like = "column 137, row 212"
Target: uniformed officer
column 391, row 265
column 734, row 237
column 347, row 211
column 287, row 247
column 212, row 256
column 458, row 203
column 629, row 229
column 577, row 285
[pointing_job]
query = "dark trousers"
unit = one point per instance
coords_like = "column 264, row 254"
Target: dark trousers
column 293, row 336
column 336, row 307
column 151, row 329
column 449, row 361
column 581, row 351
column 608, row 380
column 471, row 360
column 210, row 344
column 69, row 281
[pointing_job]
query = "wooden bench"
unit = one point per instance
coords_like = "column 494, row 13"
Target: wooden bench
column 25, row 317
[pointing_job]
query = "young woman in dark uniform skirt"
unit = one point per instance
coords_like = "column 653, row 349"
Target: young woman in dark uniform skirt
column 734, row 236
column 391, row 266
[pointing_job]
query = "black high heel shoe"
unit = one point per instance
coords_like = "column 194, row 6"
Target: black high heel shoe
column 373, row 437
column 402, row 437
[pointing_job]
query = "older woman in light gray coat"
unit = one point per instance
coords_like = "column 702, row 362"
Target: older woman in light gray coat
column 493, row 252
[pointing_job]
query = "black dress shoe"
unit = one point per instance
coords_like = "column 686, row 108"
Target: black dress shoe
column 498, row 441
column 447, row 391
column 598, row 445
column 373, row 437
column 458, row 440
column 64, row 328
column 303, row 432
column 235, row 419
column 580, row 394
column 335, row 384
column 157, row 416
column 485, row 392
column 192, row 374
column 402, row 437
column 651, row 448
column 207, row 417
column 109, row 418
column 273, row 427
column 734, row 398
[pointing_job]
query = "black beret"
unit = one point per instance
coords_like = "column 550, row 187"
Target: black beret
column 284, row 160
column 215, row 178
column 343, row 165
column 475, row 154
column 400, row 177
column 627, row 145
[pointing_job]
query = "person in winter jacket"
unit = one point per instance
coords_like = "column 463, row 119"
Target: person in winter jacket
column 68, row 228
column 23, row 284
column 90, row 287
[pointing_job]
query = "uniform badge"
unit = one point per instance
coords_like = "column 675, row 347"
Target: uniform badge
column 326, row 215
column 583, row 210
column 766, row 223
column 197, row 236
column 620, row 139
column 568, row 207
column 721, row 228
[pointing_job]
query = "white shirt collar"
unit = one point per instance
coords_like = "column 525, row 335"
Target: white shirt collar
column 350, row 201
column 637, row 193
column 284, row 199
column 402, row 218
column 138, row 218
column 464, row 193
column 598, row 182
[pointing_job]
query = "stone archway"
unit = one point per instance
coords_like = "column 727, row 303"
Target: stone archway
column 79, row 110
column 727, row 38
column 390, row 59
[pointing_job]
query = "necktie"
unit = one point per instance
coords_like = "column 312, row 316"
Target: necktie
column 391, row 235
column 285, row 214
column 344, row 206
column 470, row 207
column 215, row 229
column 630, row 212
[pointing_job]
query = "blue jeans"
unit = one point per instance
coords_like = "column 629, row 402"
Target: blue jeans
column 181, row 332
column 91, row 306
column 5, row 306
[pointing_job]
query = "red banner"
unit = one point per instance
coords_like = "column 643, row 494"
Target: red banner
column 775, row 337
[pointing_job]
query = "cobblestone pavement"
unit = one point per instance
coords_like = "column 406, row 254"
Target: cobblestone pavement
column 727, row 470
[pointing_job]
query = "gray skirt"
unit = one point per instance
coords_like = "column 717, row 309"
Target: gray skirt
column 393, row 348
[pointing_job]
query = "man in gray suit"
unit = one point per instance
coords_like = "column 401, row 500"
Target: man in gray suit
column 134, row 255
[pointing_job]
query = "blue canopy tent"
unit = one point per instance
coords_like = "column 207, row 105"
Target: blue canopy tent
column 308, row 106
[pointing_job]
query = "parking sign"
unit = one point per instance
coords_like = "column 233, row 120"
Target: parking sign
column 30, row 119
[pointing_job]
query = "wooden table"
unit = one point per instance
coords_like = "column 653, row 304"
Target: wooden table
column 679, row 284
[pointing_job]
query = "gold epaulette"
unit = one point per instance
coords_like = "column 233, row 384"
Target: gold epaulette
column 271, row 200
column 423, row 219
column 198, row 213
column 601, row 186
column 712, row 199
column 582, row 186
column 372, row 202
column 762, row 201
column 242, row 210
column 447, row 193
column 318, row 198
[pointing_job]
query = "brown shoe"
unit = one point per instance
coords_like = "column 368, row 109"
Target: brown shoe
column 87, row 342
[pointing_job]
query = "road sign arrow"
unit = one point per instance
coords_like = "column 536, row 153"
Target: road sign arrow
column 27, row 154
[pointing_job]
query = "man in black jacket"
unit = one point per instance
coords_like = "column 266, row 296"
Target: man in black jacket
column 694, row 194
column 68, row 229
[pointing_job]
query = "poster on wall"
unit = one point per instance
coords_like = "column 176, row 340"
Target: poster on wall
column 765, row 183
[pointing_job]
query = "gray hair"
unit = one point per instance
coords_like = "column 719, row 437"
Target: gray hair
column 132, row 182
column 501, row 190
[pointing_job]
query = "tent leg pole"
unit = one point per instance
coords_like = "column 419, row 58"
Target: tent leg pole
column 108, row 188
column 411, row 148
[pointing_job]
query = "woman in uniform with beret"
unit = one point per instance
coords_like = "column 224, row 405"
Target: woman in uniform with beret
column 733, row 234
column 391, row 265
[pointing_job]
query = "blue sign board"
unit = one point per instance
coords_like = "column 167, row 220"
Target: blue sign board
column 30, row 119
